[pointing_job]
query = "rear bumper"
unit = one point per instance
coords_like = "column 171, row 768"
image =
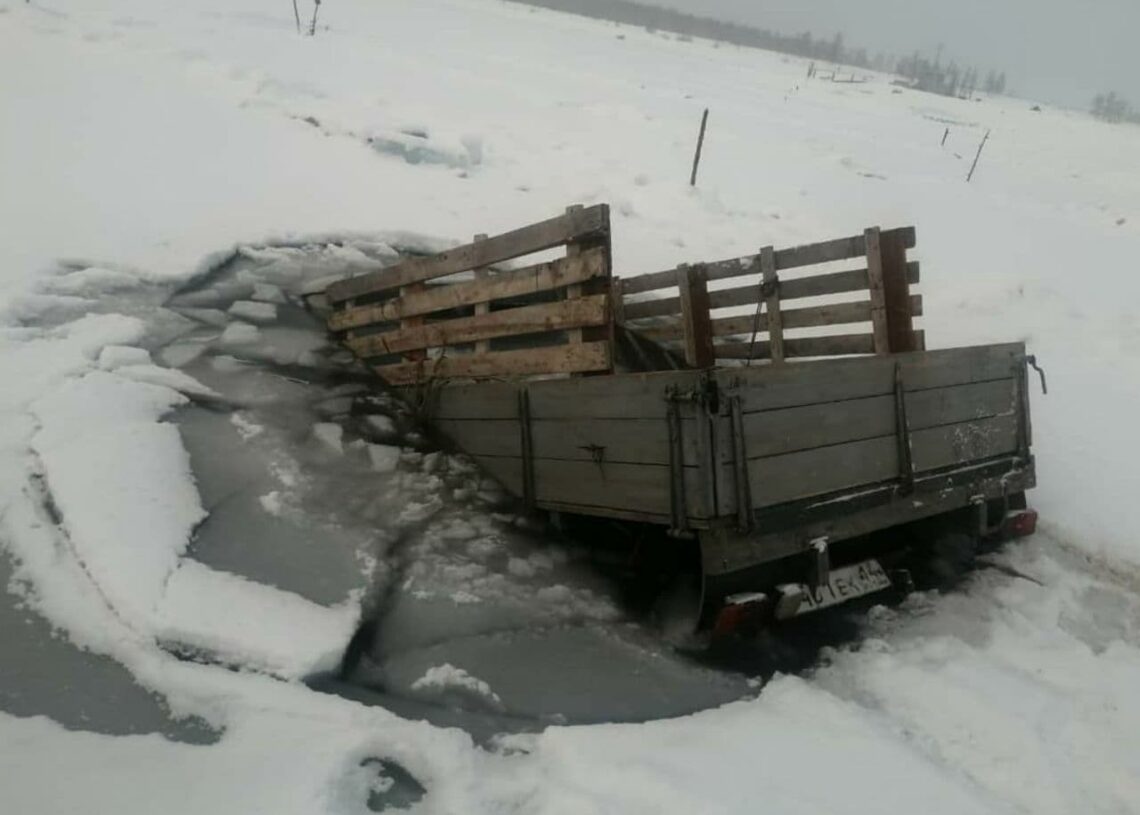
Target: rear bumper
column 730, row 559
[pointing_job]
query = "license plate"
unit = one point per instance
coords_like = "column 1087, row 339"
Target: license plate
column 844, row 584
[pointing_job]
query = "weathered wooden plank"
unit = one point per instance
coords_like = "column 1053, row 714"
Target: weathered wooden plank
column 813, row 286
column 634, row 487
column 621, row 441
column 533, row 238
column 787, row 430
column 587, row 356
column 695, row 322
column 768, row 279
column 782, row 478
column 481, row 274
column 810, row 317
column 633, row 395
column 611, row 441
column 841, row 249
column 830, row 346
column 537, row 319
column 770, row 387
column 507, row 470
column 481, row 400
column 896, row 293
column 517, row 283
column 875, row 287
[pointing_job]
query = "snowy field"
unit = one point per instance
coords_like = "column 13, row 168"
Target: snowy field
column 199, row 504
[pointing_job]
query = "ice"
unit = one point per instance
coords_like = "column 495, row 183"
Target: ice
column 114, row 356
column 240, row 334
column 330, row 435
column 255, row 312
column 384, row 457
column 267, row 293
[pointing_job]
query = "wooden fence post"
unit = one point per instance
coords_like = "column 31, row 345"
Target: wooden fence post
column 695, row 319
column 896, row 293
column 871, row 239
column 481, row 273
column 771, row 284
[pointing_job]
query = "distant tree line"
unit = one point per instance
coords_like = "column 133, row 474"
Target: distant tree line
column 1112, row 107
column 948, row 80
column 921, row 73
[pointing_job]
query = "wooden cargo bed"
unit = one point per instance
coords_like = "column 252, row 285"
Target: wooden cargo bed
column 694, row 410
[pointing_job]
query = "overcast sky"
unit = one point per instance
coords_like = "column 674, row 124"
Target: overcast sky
column 1055, row 50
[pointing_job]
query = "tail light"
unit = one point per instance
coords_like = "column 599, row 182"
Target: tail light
column 1019, row 523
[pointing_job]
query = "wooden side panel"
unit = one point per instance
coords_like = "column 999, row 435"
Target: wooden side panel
column 640, row 488
column 483, row 400
column 612, row 397
column 771, row 387
column 810, row 317
column 786, row 430
column 533, row 238
column 802, row 474
column 814, row 286
column 584, row 311
column 798, row 256
column 579, row 358
column 517, row 283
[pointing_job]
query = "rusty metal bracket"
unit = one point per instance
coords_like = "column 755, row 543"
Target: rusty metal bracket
column 902, row 434
column 1031, row 361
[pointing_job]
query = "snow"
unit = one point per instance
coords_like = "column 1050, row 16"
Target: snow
column 446, row 677
column 143, row 142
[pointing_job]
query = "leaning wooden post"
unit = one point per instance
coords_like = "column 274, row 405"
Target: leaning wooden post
column 700, row 144
column 977, row 156
column 695, row 319
column 875, row 286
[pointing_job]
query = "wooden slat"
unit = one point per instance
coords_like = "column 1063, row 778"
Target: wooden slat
column 896, row 292
column 811, row 317
column 776, row 351
column 695, row 322
column 814, row 286
column 639, row 487
column 517, row 283
column 533, row 238
column 481, row 273
column 841, row 249
column 787, row 430
column 778, row 479
column 615, row 441
column 588, row 356
column 640, row 395
column 585, row 311
column 770, row 387
column 875, row 287
column 483, row 400
column 834, row 345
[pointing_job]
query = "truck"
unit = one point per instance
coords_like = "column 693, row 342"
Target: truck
column 707, row 425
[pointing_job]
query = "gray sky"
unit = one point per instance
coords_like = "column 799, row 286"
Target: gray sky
column 1063, row 51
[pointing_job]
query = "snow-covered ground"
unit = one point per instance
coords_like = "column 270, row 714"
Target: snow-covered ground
column 172, row 431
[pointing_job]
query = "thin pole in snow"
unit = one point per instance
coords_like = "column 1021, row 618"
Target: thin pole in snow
column 297, row 15
column 700, row 143
column 974, row 166
column 944, row 135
